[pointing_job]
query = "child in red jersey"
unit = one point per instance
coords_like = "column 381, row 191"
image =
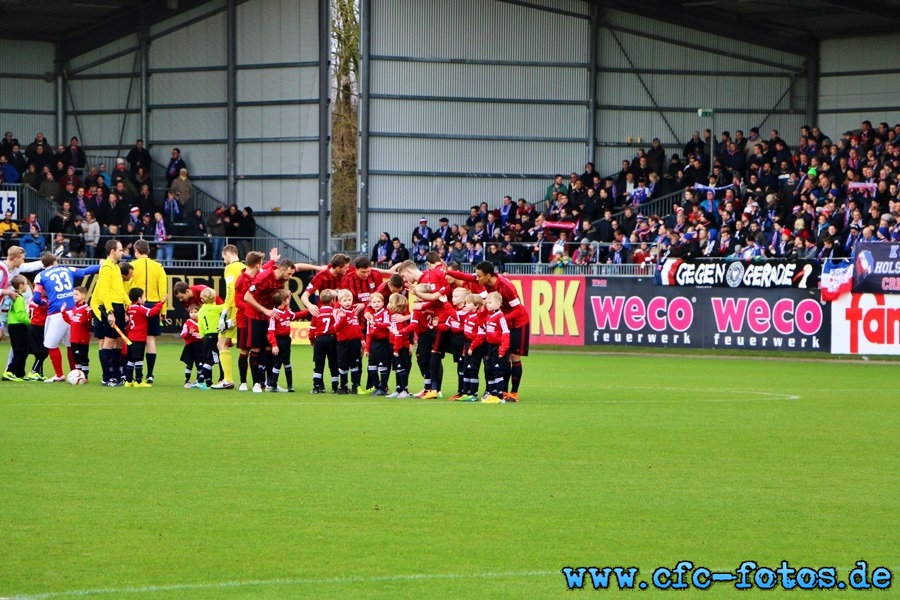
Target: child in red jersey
column 138, row 317
column 322, row 337
column 422, row 325
column 349, row 343
column 496, row 359
column 36, row 346
column 378, row 343
column 192, row 354
column 279, row 337
column 398, row 305
column 79, row 320
column 473, row 348
column 457, row 337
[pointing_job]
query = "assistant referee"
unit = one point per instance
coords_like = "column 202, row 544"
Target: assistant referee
column 108, row 305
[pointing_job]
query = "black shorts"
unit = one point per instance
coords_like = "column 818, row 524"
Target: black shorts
column 259, row 333
column 36, row 340
column 457, row 343
column 243, row 340
column 153, row 323
column 192, row 354
column 284, row 350
column 441, row 342
column 103, row 329
column 425, row 344
column 80, row 351
column 381, row 353
column 136, row 351
column 519, row 339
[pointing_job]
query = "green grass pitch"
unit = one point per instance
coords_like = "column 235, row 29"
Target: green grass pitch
column 607, row 461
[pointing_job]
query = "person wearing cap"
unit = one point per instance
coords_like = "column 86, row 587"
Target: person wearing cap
column 74, row 232
column 443, row 230
column 134, row 216
column 423, row 230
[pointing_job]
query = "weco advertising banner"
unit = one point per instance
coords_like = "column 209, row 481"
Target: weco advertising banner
column 877, row 268
column 771, row 273
column 866, row 324
column 629, row 312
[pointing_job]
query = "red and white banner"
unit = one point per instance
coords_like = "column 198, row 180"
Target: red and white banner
column 865, row 324
column 837, row 279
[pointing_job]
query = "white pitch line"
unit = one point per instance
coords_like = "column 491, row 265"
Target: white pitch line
column 761, row 397
column 151, row 589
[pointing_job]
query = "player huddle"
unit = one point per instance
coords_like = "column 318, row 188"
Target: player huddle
column 356, row 312
column 478, row 319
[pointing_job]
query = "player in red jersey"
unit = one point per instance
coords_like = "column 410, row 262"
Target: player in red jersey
column 324, row 341
column 259, row 297
column 79, row 320
column 254, row 264
column 327, row 279
column 190, row 295
column 138, row 319
column 472, row 286
column 279, row 336
column 362, row 281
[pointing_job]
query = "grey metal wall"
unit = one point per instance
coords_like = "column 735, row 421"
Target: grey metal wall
column 471, row 100
column 276, row 94
column 860, row 79
column 27, row 100
column 654, row 76
column 103, row 98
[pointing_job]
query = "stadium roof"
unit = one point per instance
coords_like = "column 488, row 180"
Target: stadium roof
column 790, row 25
column 81, row 25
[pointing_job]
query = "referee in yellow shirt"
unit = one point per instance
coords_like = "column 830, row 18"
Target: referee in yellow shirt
column 228, row 337
column 108, row 304
column 150, row 276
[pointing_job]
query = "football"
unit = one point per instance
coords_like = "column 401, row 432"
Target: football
column 75, row 377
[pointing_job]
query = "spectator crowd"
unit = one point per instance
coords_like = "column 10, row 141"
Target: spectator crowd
column 93, row 204
column 744, row 197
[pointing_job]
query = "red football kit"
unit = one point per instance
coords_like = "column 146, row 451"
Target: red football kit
column 79, row 318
